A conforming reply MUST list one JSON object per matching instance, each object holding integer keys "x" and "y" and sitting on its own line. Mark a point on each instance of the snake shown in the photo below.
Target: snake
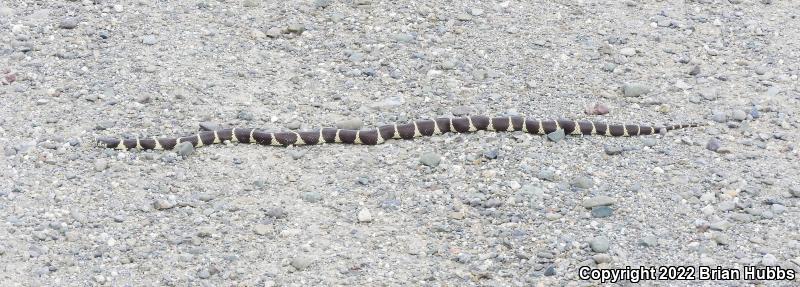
{"x": 379, "y": 135}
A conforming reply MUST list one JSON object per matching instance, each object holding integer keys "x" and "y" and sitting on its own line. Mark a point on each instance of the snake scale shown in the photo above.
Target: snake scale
{"x": 394, "y": 131}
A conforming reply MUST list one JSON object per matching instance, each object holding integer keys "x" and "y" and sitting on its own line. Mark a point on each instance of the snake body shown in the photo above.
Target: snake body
{"x": 394, "y": 131}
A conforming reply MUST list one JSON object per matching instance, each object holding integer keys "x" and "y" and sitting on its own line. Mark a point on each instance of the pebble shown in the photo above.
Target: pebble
{"x": 694, "y": 71}
{"x": 461, "y": 111}
{"x": 100, "y": 165}
{"x": 312, "y": 196}
{"x": 547, "y": 174}
{"x": 293, "y": 125}
{"x": 203, "y": 273}
{"x": 769, "y": 260}
{"x": 599, "y": 200}
{"x": 635, "y": 90}
{"x": 599, "y": 244}
{"x": 713, "y": 144}
{"x": 550, "y": 271}
{"x": 322, "y": 3}
{"x": 184, "y": 149}
{"x": 648, "y": 241}
{"x": 302, "y": 262}
{"x": 430, "y": 159}
{"x": 739, "y": 115}
{"x": 68, "y": 23}
{"x": 364, "y": 215}
{"x": 104, "y": 125}
{"x": 613, "y": 150}
{"x": 244, "y": 115}
{"x": 627, "y": 51}
{"x": 276, "y": 212}
{"x": 601, "y": 211}
{"x": 721, "y": 239}
{"x": 557, "y": 135}
{"x": 720, "y": 225}
{"x": 649, "y": 142}
{"x": 726, "y": 205}
{"x": 795, "y": 190}
{"x": 273, "y": 32}
{"x": 601, "y": 258}
{"x": 490, "y": 154}
{"x": 350, "y": 124}
{"x": 582, "y": 182}
{"x": 162, "y": 204}
{"x": 719, "y": 117}
{"x": 149, "y": 39}
{"x": 209, "y": 126}
{"x": 296, "y": 28}
{"x": 262, "y": 229}
{"x": 709, "y": 94}
{"x": 596, "y": 109}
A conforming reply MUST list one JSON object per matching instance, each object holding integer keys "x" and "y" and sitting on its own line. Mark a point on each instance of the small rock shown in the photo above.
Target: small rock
{"x": 635, "y": 90}
{"x": 262, "y": 229}
{"x": 149, "y": 39}
{"x": 184, "y": 149}
{"x": 713, "y": 144}
{"x": 351, "y": 124}
{"x": 162, "y": 204}
{"x": 557, "y": 135}
{"x": 209, "y": 126}
{"x": 430, "y": 159}
{"x": 244, "y": 115}
{"x": 100, "y": 165}
{"x": 322, "y": 3}
{"x": 601, "y": 211}
{"x": 721, "y": 239}
{"x": 276, "y": 212}
{"x": 490, "y": 154}
{"x": 694, "y": 71}
{"x": 795, "y": 190}
{"x": 547, "y": 174}
{"x": 302, "y": 262}
{"x": 719, "y": 117}
{"x": 596, "y": 109}
{"x": 273, "y": 32}
{"x": 601, "y": 258}
{"x": 649, "y": 142}
{"x": 627, "y": 51}
{"x": 203, "y": 273}
{"x": 648, "y": 241}
{"x": 68, "y": 23}
{"x": 739, "y": 115}
{"x": 296, "y": 28}
{"x": 550, "y": 271}
{"x": 613, "y": 150}
{"x": 769, "y": 260}
{"x": 312, "y": 196}
{"x": 599, "y": 244}
{"x": 727, "y": 205}
{"x": 293, "y": 125}
{"x": 709, "y": 94}
{"x": 599, "y": 200}
{"x": 461, "y": 111}
{"x": 104, "y": 125}
{"x": 582, "y": 182}
{"x": 364, "y": 215}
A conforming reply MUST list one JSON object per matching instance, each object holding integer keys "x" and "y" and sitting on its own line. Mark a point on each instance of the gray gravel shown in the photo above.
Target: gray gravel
{"x": 483, "y": 209}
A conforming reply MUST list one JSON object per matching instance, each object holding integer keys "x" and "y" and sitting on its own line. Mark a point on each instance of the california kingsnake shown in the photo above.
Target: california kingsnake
{"x": 380, "y": 134}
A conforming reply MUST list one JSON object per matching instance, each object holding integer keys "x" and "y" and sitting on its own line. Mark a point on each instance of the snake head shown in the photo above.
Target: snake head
{"x": 107, "y": 142}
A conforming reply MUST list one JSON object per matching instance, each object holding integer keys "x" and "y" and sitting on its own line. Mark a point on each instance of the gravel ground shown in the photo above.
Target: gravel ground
{"x": 494, "y": 209}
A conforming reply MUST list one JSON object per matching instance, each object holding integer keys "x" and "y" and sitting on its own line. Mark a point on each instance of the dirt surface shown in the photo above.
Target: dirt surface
{"x": 490, "y": 209}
